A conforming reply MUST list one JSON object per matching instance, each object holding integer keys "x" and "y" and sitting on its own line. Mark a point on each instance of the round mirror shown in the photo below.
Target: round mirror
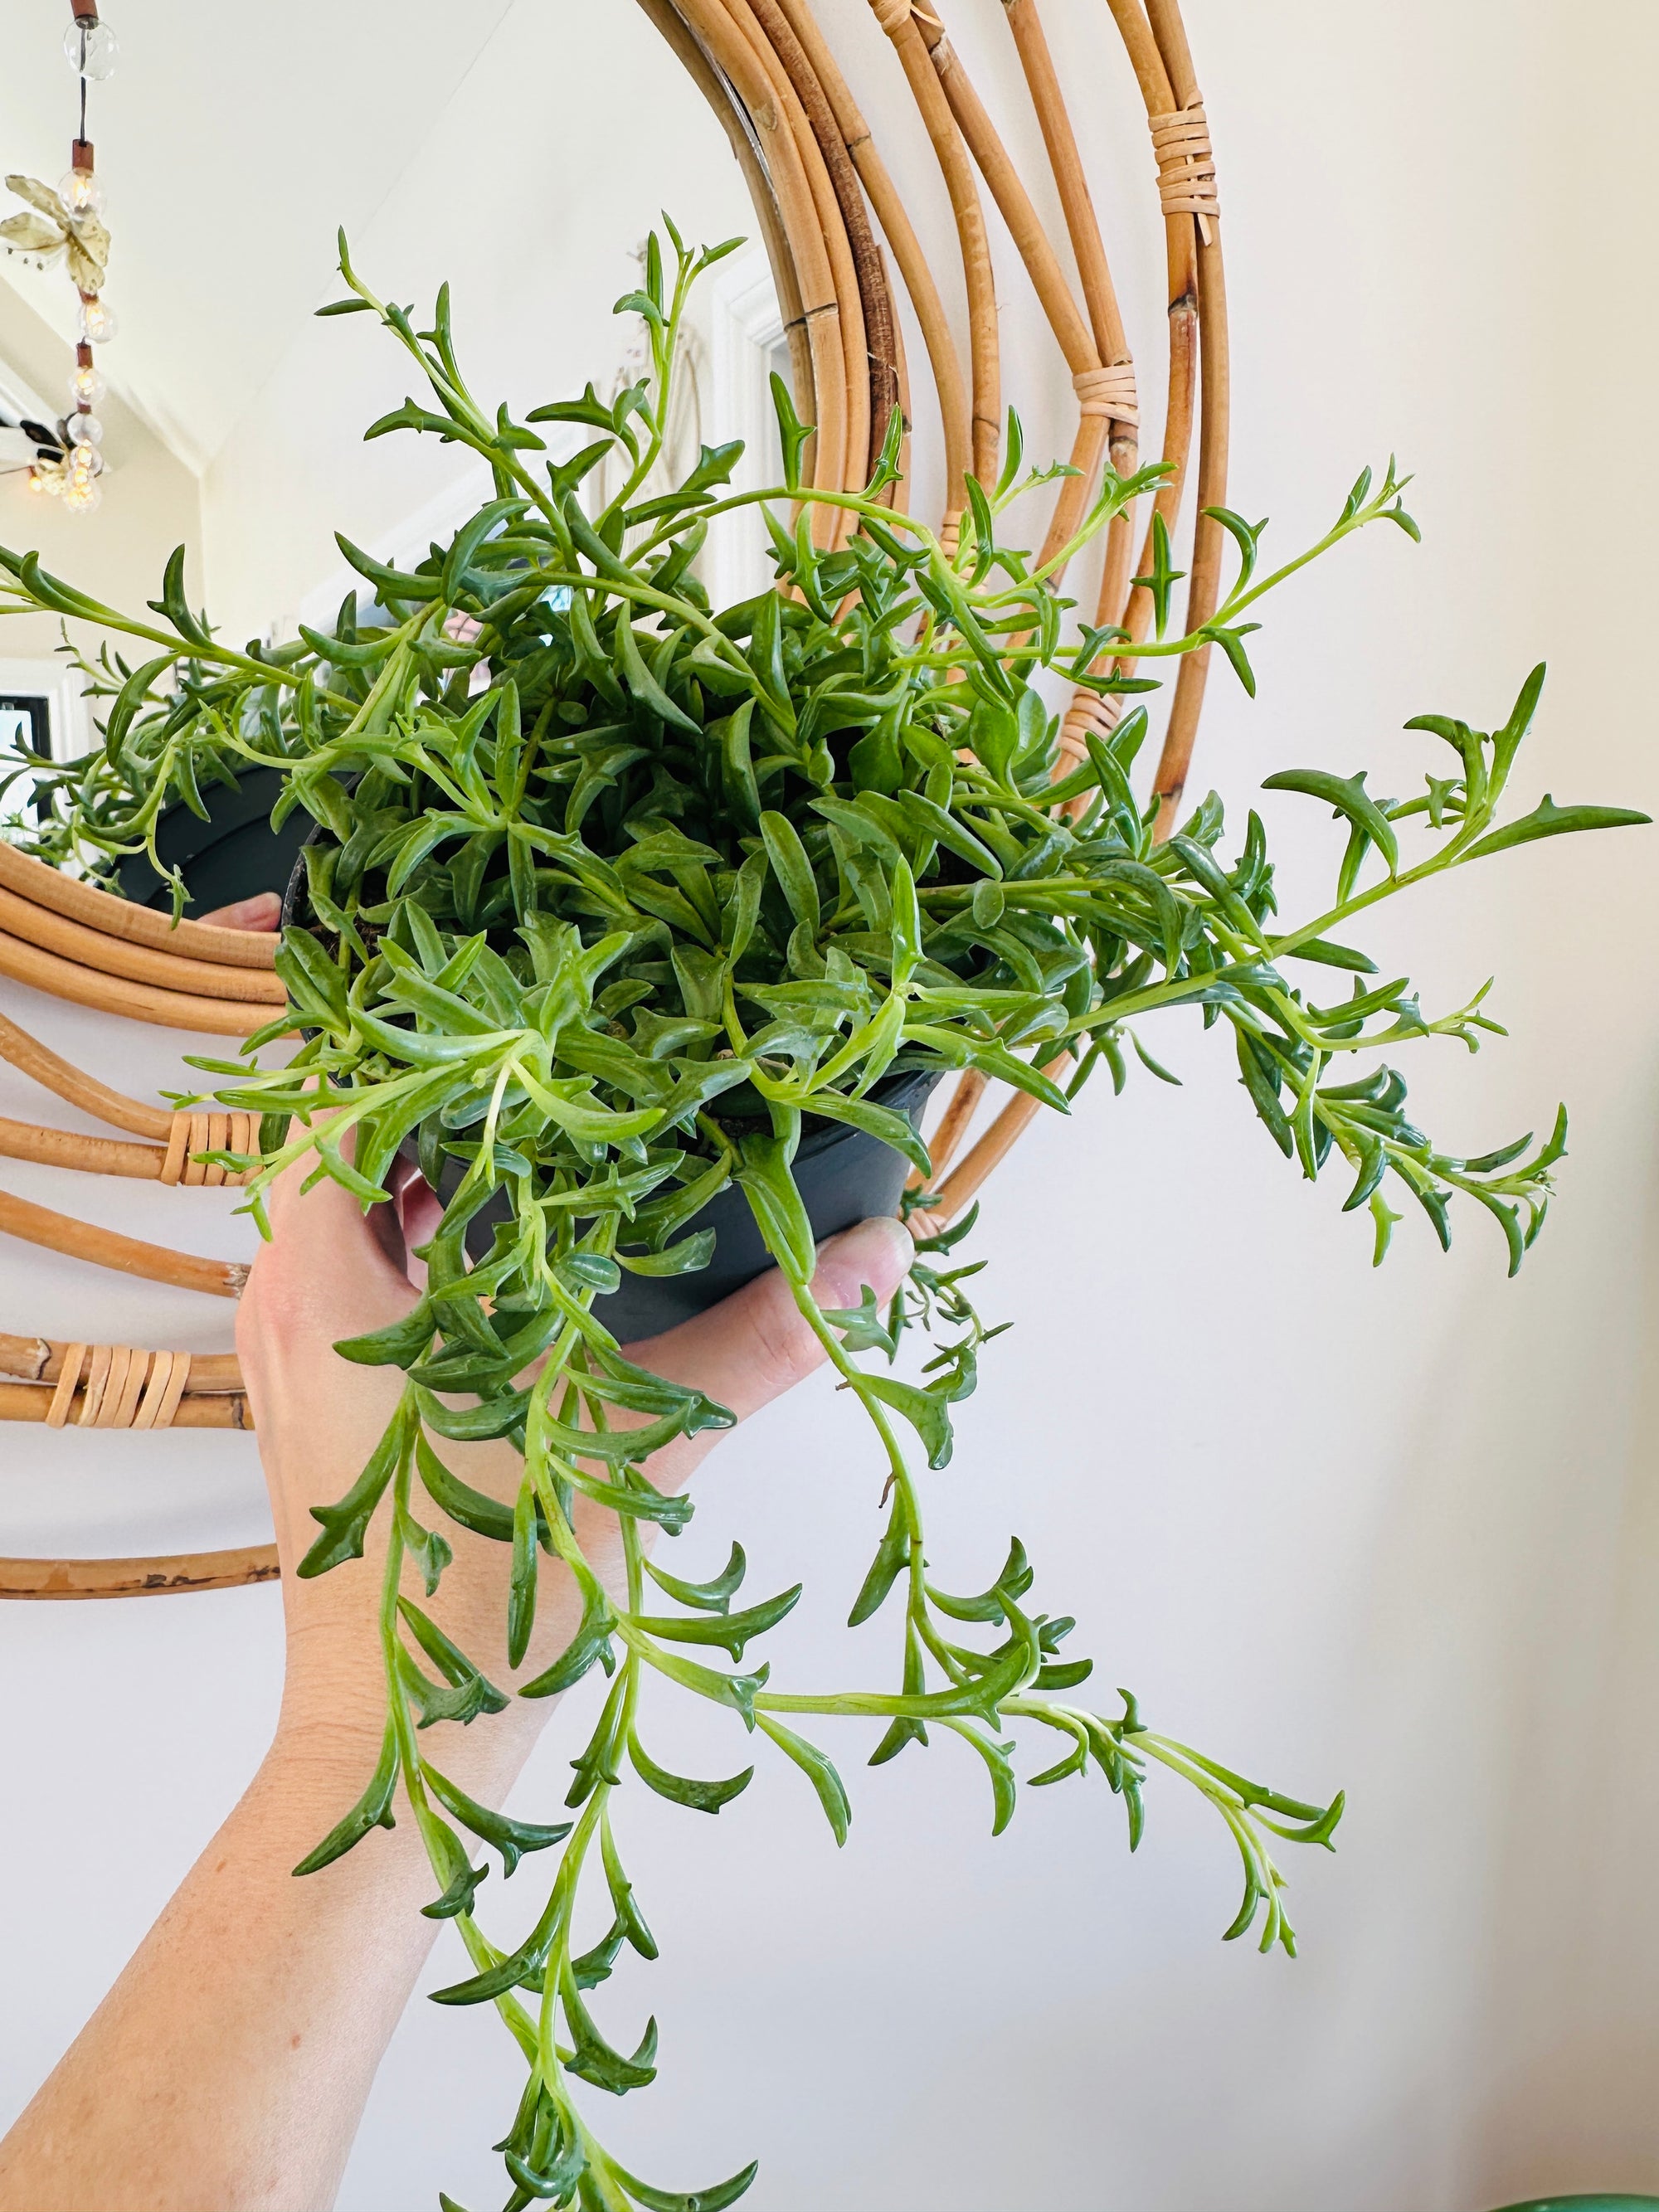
{"x": 456, "y": 152}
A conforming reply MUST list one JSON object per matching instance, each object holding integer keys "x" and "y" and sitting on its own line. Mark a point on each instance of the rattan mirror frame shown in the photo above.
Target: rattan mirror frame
{"x": 839, "y": 241}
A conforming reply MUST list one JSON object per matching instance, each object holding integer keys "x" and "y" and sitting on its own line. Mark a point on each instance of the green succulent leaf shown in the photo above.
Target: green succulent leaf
{"x": 698, "y": 1796}
{"x": 818, "y": 1770}
{"x": 372, "y": 1810}
{"x": 1549, "y": 820}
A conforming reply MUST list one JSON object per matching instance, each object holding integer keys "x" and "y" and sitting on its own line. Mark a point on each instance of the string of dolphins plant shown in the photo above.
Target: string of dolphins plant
{"x": 610, "y": 899}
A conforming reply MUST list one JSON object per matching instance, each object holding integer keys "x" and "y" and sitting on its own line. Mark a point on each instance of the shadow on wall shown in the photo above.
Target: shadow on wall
{"x": 1575, "y": 1916}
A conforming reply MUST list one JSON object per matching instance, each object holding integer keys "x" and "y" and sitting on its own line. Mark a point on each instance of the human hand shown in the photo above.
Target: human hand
{"x": 230, "y": 2063}
{"x": 330, "y": 1272}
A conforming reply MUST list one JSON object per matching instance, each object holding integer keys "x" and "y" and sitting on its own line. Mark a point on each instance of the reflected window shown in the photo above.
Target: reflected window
{"x": 25, "y": 727}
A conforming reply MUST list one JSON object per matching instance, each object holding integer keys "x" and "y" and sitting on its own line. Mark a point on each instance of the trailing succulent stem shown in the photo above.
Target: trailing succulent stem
{"x": 613, "y": 895}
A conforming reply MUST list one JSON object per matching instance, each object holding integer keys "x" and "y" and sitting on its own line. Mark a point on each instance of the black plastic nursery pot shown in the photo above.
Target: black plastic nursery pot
{"x": 844, "y": 1175}
{"x": 233, "y": 854}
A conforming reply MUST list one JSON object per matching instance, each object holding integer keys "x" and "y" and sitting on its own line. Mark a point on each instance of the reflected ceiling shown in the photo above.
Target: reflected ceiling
{"x": 233, "y": 140}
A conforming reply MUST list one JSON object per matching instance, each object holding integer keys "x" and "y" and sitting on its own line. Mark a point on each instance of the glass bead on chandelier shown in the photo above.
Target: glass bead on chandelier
{"x": 72, "y": 473}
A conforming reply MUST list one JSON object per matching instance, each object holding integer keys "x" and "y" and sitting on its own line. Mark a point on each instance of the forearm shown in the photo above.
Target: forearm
{"x": 228, "y": 2069}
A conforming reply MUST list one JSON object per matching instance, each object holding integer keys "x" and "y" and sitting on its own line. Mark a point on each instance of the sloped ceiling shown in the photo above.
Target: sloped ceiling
{"x": 232, "y": 140}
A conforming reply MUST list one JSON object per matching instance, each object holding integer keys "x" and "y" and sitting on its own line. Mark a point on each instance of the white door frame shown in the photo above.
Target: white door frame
{"x": 745, "y": 326}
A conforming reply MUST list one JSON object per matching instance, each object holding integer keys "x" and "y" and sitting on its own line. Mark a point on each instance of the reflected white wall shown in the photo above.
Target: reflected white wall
{"x": 530, "y": 192}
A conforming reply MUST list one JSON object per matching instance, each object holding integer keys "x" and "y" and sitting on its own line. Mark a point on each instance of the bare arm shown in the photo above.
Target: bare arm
{"x": 229, "y": 2067}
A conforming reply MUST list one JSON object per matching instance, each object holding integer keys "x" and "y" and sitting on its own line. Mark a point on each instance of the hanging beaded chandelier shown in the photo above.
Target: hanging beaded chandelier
{"x": 68, "y": 225}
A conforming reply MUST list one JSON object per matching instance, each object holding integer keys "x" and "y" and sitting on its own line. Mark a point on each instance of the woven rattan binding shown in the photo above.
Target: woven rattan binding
{"x": 85, "y": 1386}
{"x": 1186, "y": 166}
{"x": 834, "y": 226}
{"x": 193, "y": 1134}
{"x": 123, "y": 1388}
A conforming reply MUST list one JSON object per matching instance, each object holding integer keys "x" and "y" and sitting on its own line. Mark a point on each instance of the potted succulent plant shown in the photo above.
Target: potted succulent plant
{"x": 641, "y": 922}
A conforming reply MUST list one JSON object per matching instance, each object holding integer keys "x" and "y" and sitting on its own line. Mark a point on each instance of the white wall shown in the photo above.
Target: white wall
{"x": 1393, "y": 1530}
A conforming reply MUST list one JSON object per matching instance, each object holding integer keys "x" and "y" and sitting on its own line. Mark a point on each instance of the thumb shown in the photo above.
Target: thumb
{"x": 757, "y": 1344}
{"x": 262, "y": 913}
{"x": 328, "y": 1270}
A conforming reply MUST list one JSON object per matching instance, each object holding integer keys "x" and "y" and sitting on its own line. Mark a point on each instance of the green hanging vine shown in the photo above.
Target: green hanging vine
{"x": 610, "y": 899}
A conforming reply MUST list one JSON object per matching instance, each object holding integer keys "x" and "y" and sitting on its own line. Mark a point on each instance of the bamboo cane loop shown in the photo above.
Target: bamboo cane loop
{"x": 1073, "y": 334}
{"x": 1123, "y": 603}
{"x": 166, "y": 1575}
{"x": 732, "y": 52}
{"x": 850, "y": 474}
{"x": 1157, "y": 46}
{"x": 76, "y": 1088}
{"x": 752, "y": 132}
{"x": 959, "y": 1188}
{"x": 1158, "y": 50}
{"x": 1107, "y": 391}
{"x": 1060, "y": 140}
{"x": 113, "y": 994}
{"x": 880, "y": 329}
{"x": 1169, "y": 35}
{"x": 116, "y": 918}
{"x": 59, "y": 1148}
{"x": 738, "y": 126}
{"x": 127, "y": 1255}
{"x": 896, "y": 18}
{"x": 1210, "y": 541}
{"x": 1151, "y": 73}
{"x": 897, "y": 495}
{"x": 906, "y": 247}
{"x": 1110, "y": 342}
{"x": 1175, "y": 52}
{"x": 113, "y": 956}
